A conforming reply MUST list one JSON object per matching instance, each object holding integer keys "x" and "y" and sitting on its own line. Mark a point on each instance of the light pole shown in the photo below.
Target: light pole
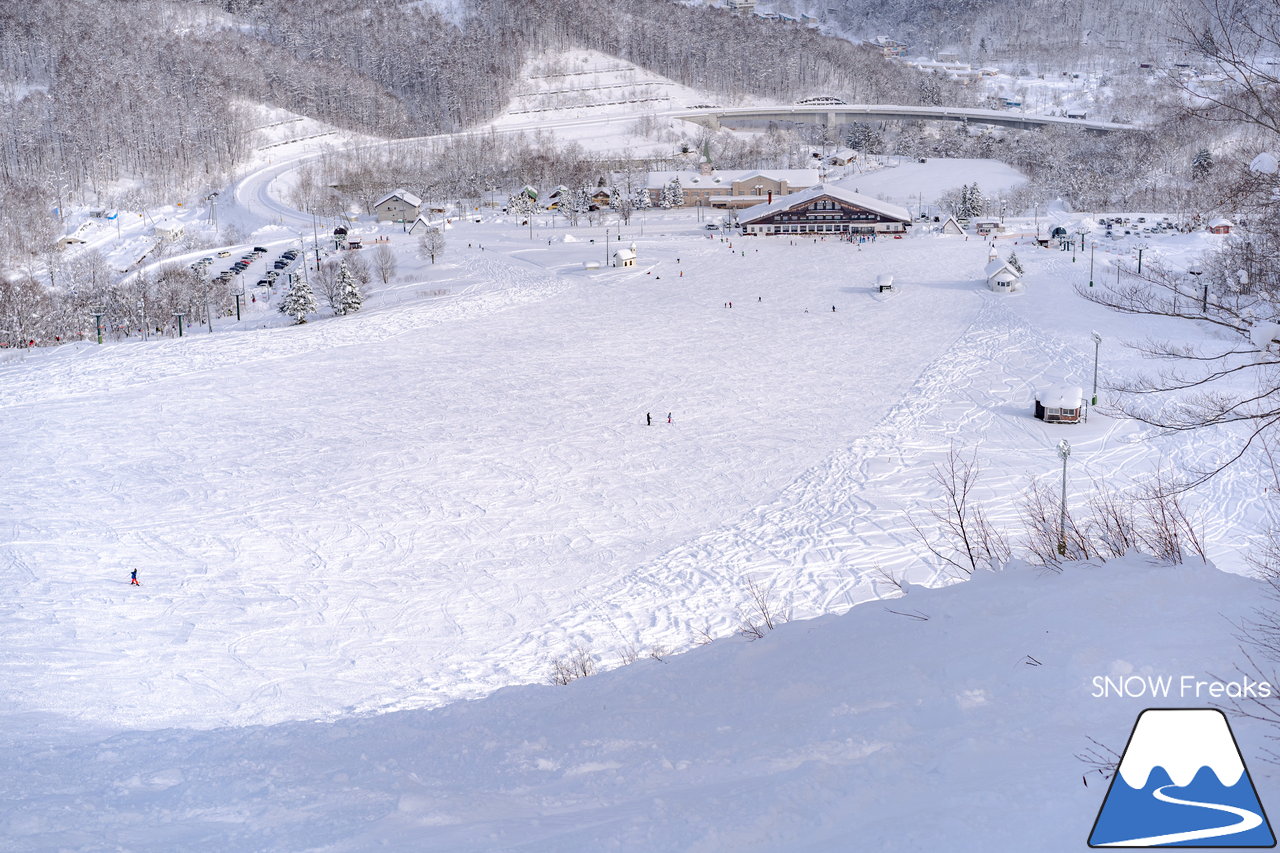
{"x": 1064, "y": 450}
{"x": 238, "y": 294}
{"x": 1140, "y": 248}
{"x": 179, "y": 315}
{"x": 98, "y": 314}
{"x": 1204, "y": 300}
{"x": 1097, "y": 344}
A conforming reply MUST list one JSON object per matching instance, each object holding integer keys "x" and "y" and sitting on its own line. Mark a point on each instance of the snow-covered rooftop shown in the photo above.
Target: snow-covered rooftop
{"x": 402, "y": 194}
{"x": 997, "y": 266}
{"x": 1061, "y": 397}
{"x": 866, "y": 202}
{"x": 793, "y": 177}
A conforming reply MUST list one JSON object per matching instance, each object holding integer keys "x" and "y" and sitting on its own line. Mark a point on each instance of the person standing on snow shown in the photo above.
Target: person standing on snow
{"x": 648, "y": 418}
{"x": 133, "y": 578}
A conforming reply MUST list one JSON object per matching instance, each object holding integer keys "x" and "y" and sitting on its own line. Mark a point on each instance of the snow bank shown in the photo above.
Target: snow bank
{"x": 944, "y": 720}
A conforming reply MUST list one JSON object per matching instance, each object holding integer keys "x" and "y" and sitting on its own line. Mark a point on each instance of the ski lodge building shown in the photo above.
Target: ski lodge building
{"x": 730, "y": 188}
{"x": 399, "y": 206}
{"x": 826, "y": 210}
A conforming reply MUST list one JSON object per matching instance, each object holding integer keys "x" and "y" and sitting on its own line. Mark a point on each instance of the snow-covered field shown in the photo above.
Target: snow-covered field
{"x": 432, "y": 499}
{"x": 947, "y": 720}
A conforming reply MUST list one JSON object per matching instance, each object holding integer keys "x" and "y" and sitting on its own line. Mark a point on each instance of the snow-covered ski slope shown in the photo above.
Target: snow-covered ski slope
{"x": 431, "y": 500}
{"x": 946, "y": 720}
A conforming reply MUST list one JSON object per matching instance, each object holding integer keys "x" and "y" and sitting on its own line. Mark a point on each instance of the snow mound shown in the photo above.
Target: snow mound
{"x": 1265, "y": 163}
{"x": 569, "y": 238}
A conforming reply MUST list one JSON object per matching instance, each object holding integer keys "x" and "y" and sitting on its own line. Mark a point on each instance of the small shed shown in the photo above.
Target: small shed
{"x": 169, "y": 230}
{"x": 1078, "y": 114}
{"x": 339, "y": 237}
{"x": 987, "y": 226}
{"x": 1001, "y": 277}
{"x": 951, "y": 226}
{"x": 624, "y": 258}
{"x": 842, "y": 157}
{"x": 1220, "y": 225}
{"x": 355, "y": 243}
{"x": 1058, "y": 233}
{"x": 1060, "y": 404}
{"x": 884, "y": 283}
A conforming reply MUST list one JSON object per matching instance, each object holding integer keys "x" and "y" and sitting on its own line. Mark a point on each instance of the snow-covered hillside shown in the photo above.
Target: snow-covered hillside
{"x": 945, "y": 720}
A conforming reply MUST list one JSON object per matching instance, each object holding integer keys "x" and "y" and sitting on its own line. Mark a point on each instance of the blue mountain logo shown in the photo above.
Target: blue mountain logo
{"x": 1182, "y": 783}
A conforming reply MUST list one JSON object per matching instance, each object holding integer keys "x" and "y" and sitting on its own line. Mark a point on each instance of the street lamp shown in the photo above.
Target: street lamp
{"x": 1064, "y": 450}
{"x": 1097, "y": 344}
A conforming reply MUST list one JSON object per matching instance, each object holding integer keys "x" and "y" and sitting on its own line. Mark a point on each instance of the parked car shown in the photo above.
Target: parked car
{"x": 711, "y": 226}
{"x": 262, "y": 282}
{"x": 224, "y": 254}
{"x": 260, "y": 250}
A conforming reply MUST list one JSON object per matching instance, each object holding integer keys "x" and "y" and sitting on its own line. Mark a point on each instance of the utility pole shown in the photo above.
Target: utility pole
{"x": 1097, "y": 343}
{"x": 98, "y": 314}
{"x": 1064, "y": 450}
{"x": 315, "y": 236}
{"x": 1092, "y": 246}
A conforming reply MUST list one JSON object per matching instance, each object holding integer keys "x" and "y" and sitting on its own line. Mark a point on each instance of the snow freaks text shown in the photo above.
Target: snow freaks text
{"x": 1178, "y": 687}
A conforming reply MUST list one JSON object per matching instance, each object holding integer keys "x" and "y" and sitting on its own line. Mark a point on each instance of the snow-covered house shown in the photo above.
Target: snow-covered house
{"x": 987, "y": 226}
{"x": 1001, "y": 277}
{"x": 951, "y": 226}
{"x": 398, "y": 206}
{"x": 842, "y": 157}
{"x": 169, "y": 230}
{"x": 1060, "y": 404}
{"x": 625, "y": 257}
{"x": 1080, "y": 114}
{"x": 824, "y": 209}
{"x": 1220, "y": 225}
{"x": 601, "y": 198}
{"x": 556, "y": 197}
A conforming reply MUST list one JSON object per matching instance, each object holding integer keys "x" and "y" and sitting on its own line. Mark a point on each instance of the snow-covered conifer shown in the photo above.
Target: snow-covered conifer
{"x": 299, "y": 301}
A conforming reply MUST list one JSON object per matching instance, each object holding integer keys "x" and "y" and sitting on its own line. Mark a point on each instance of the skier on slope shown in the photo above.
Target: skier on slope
{"x": 133, "y": 578}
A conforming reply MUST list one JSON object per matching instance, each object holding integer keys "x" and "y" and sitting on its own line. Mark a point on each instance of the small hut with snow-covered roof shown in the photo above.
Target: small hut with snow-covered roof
{"x": 952, "y": 227}
{"x": 1001, "y": 277}
{"x": 1220, "y": 225}
{"x": 625, "y": 257}
{"x": 1060, "y": 404}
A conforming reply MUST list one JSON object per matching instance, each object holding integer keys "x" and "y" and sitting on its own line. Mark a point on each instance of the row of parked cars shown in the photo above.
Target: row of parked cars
{"x": 281, "y": 265}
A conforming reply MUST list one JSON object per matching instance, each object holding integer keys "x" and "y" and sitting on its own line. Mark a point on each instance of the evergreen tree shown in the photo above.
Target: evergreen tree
{"x": 299, "y": 301}
{"x": 1015, "y": 263}
{"x": 1201, "y": 165}
{"x": 349, "y": 296}
{"x": 640, "y": 200}
{"x": 672, "y": 195}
